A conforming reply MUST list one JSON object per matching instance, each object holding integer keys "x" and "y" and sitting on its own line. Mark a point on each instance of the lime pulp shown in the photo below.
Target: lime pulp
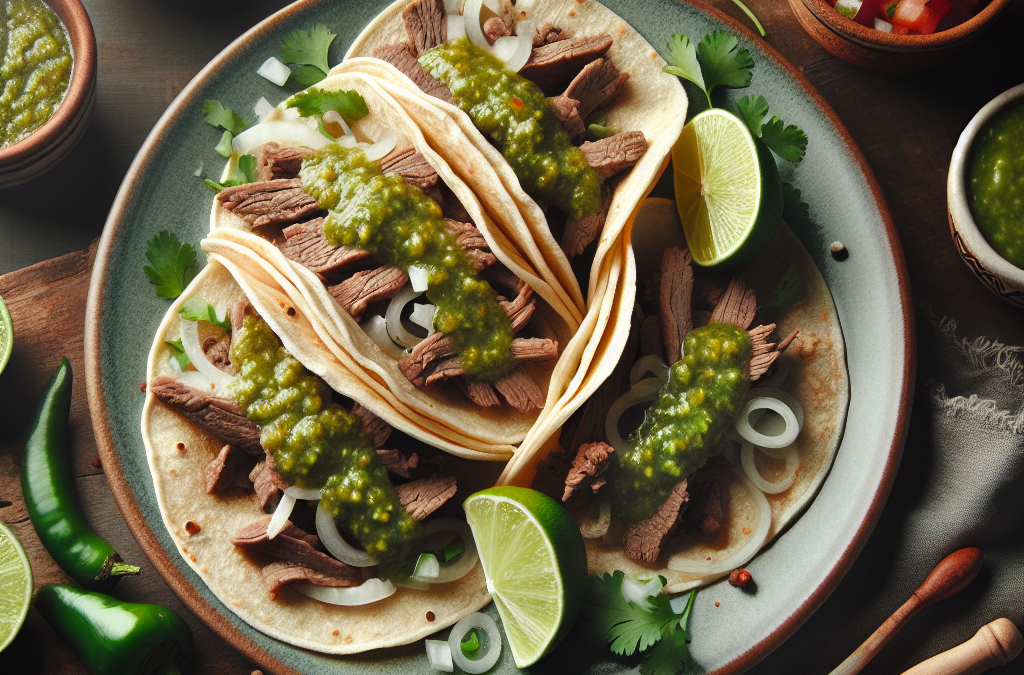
{"x": 6, "y": 335}
{"x": 15, "y": 586}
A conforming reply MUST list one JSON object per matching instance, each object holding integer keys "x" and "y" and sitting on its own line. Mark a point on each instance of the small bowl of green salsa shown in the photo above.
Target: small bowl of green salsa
{"x": 985, "y": 195}
{"x": 48, "y": 74}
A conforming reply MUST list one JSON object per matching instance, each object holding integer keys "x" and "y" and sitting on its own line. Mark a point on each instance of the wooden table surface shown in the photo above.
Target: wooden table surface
{"x": 149, "y": 49}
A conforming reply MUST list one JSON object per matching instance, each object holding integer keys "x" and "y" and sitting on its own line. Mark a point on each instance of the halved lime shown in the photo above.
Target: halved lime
{"x": 15, "y": 586}
{"x": 728, "y": 190}
{"x": 6, "y": 335}
{"x": 535, "y": 563}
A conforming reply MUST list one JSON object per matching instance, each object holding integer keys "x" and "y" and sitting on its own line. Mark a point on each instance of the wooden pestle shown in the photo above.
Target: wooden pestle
{"x": 948, "y": 578}
{"x": 993, "y": 645}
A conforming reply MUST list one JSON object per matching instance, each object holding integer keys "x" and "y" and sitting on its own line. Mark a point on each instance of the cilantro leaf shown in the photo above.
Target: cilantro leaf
{"x": 173, "y": 264}
{"x": 794, "y": 209}
{"x": 178, "y": 353}
{"x": 224, "y": 148}
{"x": 306, "y": 76}
{"x": 198, "y": 310}
{"x": 317, "y": 101}
{"x": 310, "y": 48}
{"x": 627, "y": 626}
{"x": 245, "y": 170}
{"x": 668, "y": 656}
{"x": 723, "y": 62}
{"x": 788, "y": 142}
{"x": 682, "y": 59}
{"x": 217, "y": 115}
{"x": 752, "y": 109}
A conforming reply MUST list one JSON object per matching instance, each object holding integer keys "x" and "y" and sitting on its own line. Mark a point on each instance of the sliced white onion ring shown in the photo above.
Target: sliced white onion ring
{"x": 190, "y": 342}
{"x": 423, "y": 315}
{"x": 792, "y": 458}
{"x": 196, "y": 380}
{"x": 385, "y": 143}
{"x": 638, "y": 590}
{"x": 786, "y": 398}
{"x": 595, "y": 529}
{"x": 748, "y": 433}
{"x": 418, "y": 277}
{"x": 275, "y": 70}
{"x": 754, "y": 541}
{"x": 281, "y": 515}
{"x": 413, "y": 585}
{"x": 438, "y": 533}
{"x": 302, "y": 493}
{"x": 427, "y": 568}
{"x": 376, "y": 329}
{"x": 643, "y": 391}
{"x": 494, "y": 6}
{"x": 653, "y": 364}
{"x": 514, "y": 50}
{"x": 347, "y": 141}
{"x": 332, "y": 540}
{"x": 263, "y": 109}
{"x": 334, "y": 117}
{"x": 488, "y": 653}
{"x": 439, "y": 654}
{"x": 456, "y": 26}
{"x": 474, "y": 31}
{"x": 368, "y": 592}
{"x": 393, "y": 318}
{"x": 281, "y": 131}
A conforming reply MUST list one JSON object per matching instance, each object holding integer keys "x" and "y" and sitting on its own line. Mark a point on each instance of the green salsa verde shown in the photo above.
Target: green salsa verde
{"x": 515, "y": 113}
{"x": 996, "y": 180}
{"x": 35, "y": 67}
{"x": 403, "y": 227}
{"x": 317, "y": 444}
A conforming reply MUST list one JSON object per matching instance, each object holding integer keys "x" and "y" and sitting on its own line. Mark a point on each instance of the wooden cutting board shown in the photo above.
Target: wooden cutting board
{"x": 47, "y": 305}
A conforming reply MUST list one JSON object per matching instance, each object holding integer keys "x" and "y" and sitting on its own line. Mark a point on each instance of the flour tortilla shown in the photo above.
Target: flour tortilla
{"x": 232, "y": 576}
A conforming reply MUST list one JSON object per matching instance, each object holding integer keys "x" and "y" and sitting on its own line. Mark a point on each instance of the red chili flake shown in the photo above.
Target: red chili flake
{"x": 709, "y": 558}
{"x": 516, "y": 103}
{"x": 180, "y": 447}
{"x": 334, "y": 632}
{"x": 291, "y": 311}
{"x": 95, "y": 463}
{"x": 143, "y": 387}
{"x": 718, "y": 604}
{"x": 192, "y": 527}
{"x": 740, "y": 578}
{"x": 430, "y": 616}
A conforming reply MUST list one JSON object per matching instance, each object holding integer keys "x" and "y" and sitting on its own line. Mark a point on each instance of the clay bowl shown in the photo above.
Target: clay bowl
{"x": 50, "y": 143}
{"x": 874, "y": 50}
{"x": 999, "y": 275}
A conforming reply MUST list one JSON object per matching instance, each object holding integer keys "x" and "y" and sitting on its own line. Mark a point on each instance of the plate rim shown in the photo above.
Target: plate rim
{"x": 220, "y": 623}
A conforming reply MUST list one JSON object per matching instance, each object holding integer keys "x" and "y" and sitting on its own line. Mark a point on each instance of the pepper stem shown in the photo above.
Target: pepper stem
{"x": 120, "y": 569}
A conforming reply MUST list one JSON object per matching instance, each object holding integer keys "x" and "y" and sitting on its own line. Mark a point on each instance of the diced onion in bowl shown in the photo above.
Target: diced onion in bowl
{"x": 490, "y": 643}
{"x": 418, "y": 277}
{"x": 643, "y": 391}
{"x": 439, "y": 654}
{"x": 281, "y": 515}
{"x": 281, "y": 131}
{"x": 652, "y": 364}
{"x": 456, "y": 26}
{"x": 263, "y": 109}
{"x": 792, "y": 458}
{"x": 438, "y": 533}
{"x": 376, "y": 329}
{"x": 190, "y": 342}
{"x": 302, "y": 493}
{"x": 393, "y": 318}
{"x": 369, "y": 591}
{"x": 385, "y": 143}
{"x": 275, "y": 70}
{"x": 766, "y": 402}
{"x": 332, "y": 540}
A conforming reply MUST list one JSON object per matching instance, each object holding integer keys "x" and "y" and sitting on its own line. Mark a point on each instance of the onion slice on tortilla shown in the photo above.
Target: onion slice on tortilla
{"x": 281, "y": 515}
{"x": 438, "y": 533}
{"x": 368, "y": 592}
{"x": 384, "y": 144}
{"x": 489, "y": 650}
{"x": 336, "y": 545}
{"x": 761, "y": 401}
{"x": 190, "y": 342}
{"x": 302, "y": 493}
{"x": 427, "y": 568}
{"x": 638, "y": 590}
{"x": 653, "y": 364}
{"x": 280, "y": 131}
{"x": 792, "y": 458}
{"x": 393, "y": 318}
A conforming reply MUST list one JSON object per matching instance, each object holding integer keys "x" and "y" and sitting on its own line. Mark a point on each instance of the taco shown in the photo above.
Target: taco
{"x": 270, "y": 420}
{"x": 479, "y": 362}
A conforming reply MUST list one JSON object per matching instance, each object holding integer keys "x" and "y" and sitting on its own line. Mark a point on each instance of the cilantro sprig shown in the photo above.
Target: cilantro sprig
{"x": 173, "y": 264}
{"x": 216, "y": 115}
{"x": 308, "y": 51}
{"x": 197, "y": 309}
{"x": 716, "y": 61}
{"x": 243, "y": 171}
{"x": 316, "y": 101}
{"x": 788, "y": 142}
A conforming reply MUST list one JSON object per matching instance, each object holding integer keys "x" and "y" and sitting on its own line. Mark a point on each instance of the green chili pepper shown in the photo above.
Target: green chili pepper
{"x": 50, "y": 494}
{"x": 114, "y": 637}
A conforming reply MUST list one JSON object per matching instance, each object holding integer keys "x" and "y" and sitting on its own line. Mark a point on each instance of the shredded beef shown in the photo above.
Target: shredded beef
{"x": 611, "y": 155}
{"x": 674, "y": 300}
{"x": 502, "y": 279}
{"x": 266, "y": 481}
{"x": 520, "y": 390}
{"x": 433, "y": 349}
{"x": 738, "y": 306}
{"x": 425, "y": 24}
{"x": 567, "y": 110}
{"x": 361, "y": 289}
{"x": 642, "y": 541}
{"x": 520, "y": 310}
{"x": 410, "y": 165}
{"x": 547, "y": 34}
{"x": 270, "y": 202}
{"x": 306, "y": 244}
{"x": 445, "y": 370}
{"x": 766, "y": 353}
{"x": 294, "y": 546}
{"x": 397, "y": 463}
{"x": 221, "y": 417}
{"x": 579, "y": 234}
{"x": 554, "y": 64}
{"x": 597, "y": 83}
{"x": 277, "y": 574}
{"x": 494, "y": 28}
{"x": 650, "y": 338}
{"x": 218, "y": 351}
{"x": 709, "y": 506}
{"x": 377, "y": 429}
{"x": 472, "y": 242}
{"x": 426, "y": 495}
{"x": 275, "y": 161}
{"x": 238, "y": 314}
{"x": 229, "y": 469}
{"x": 534, "y": 349}
{"x": 401, "y": 57}
{"x": 480, "y": 393}
{"x": 590, "y": 462}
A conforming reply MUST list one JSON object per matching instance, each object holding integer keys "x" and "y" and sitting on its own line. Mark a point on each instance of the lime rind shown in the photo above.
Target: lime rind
{"x": 15, "y": 586}
{"x": 6, "y": 335}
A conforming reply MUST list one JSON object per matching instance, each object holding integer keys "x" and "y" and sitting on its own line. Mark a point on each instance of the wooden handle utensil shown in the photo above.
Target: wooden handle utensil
{"x": 948, "y": 578}
{"x": 996, "y": 644}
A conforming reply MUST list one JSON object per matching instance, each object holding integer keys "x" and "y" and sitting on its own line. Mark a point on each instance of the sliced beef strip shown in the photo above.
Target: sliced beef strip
{"x": 766, "y": 353}
{"x": 410, "y": 165}
{"x": 596, "y": 84}
{"x": 534, "y": 349}
{"x": 277, "y": 574}
{"x": 229, "y": 469}
{"x": 553, "y": 65}
{"x": 590, "y": 462}
{"x": 220, "y": 417}
{"x": 674, "y": 300}
{"x": 611, "y": 155}
{"x": 738, "y": 306}
{"x": 480, "y": 393}
{"x": 218, "y": 351}
{"x": 472, "y": 242}
{"x": 361, "y": 289}
{"x": 275, "y": 161}
{"x": 445, "y": 370}
{"x": 426, "y": 495}
{"x": 238, "y": 314}
{"x": 397, "y": 463}
{"x": 520, "y": 390}
{"x": 521, "y": 308}
{"x": 494, "y": 28}
{"x": 255, "y": 533}
{"x": 579, "y": 234}
{"x": 642, "y": 541}
{"x": 266, "y": 481}
{"x": 377, "y": 429}
{"x": 502, "y": 279}
{"x": 294, "y": 546}
{"x": 567, "y": 110}
{"x": 709, "y": 506}
{"x": 547, "y": 34}
{"x": 433, "y": 349}
{"x": 425, "y": 24}
{"x": 306, "y": 244}
{"x": 270, "y": 202}
{"x": 401, "y": 57}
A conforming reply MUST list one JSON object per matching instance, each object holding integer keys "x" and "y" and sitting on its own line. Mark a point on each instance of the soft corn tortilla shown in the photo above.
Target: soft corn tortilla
{"x": 232, "y": 575}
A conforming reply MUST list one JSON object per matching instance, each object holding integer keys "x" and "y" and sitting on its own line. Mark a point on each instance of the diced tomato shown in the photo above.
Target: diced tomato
{"x": 941, "y": 7}
{"x": 899, "y": 30}
{"x": 886, "y": 8}
{"x": 867, "y": 13}
{"x": 915, "y": 17}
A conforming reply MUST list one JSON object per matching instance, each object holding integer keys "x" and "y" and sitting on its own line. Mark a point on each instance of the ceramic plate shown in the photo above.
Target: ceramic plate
{"x": 795, "y": 574}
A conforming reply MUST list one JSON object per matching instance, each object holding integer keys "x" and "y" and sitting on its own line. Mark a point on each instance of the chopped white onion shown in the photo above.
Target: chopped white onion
{"x": 263, "y": 109}
{"x": 199, "y": 170}
{"x": 652, "y": 364}
{"x": 275, "y": 70}
{"x": 393, "y": 318}
{"x": 302, "y": 493}
{"x": 190, "y": 341}
{"x": 456, "y": 27}
{"x": 313, "y": 124}
{"x": 386, "y": 142}
{"x": 754, "y": 541}
{"x": 792, "y": 458}
{"x": 347, "y": 141}
{"x": 490, "y": 649}
{"x": 418, "y": 277}
{"x": 332, "y": 540}
{"x": 643, "y": 391}
{"x": 438, "y": 533}
{"x": 595, "y": 529}
{"x": 423, "y": 315}
{"x": 281, "y": 515}
{"x": 439, "y": 654}
{"x": 281, "y": 131}
{"x": 761, "y": 402}
{"x": 291, "y": 114}
{"x": 173, "y": 363}
{"x": 368, "y": 592}
{"x": 427, "y": 568}
{"x": 678, "y": 603}
{"x": 637, "y": 591}
{"x": 453, "y": 6}
{"x": 883, "y": 25}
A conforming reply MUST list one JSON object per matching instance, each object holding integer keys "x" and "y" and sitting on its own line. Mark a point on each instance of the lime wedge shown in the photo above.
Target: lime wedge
{"x": 6, "y": 335}
{"x": 728, "y": 190}
{"x": 535, "y": 564}
{"x": 15, "y": 586}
